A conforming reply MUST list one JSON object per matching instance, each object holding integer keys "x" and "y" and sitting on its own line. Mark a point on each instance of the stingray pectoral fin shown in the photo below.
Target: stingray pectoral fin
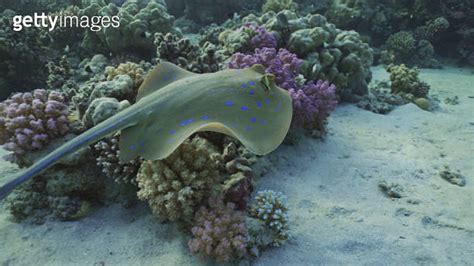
{"x": 160, "y": 76}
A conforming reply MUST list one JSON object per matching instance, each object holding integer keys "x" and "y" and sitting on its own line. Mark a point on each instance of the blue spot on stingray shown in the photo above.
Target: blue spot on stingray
{"x": 132, "y": 147}
{"x": 205, "y": 117}
{"x": 172, "y": 132}
{"x": 175, "y": 78}
{"x": 141, "y": 151}
{"x": 244, "y": 108}
{"x": 229, "y": 103}
{"x": 278, "y": 108}
{"x": 185, "y": 122}
{"x": 252, "y": 92}
{"x": 259, "y": 104}
{"x": 251, "y": 83}
{"x": 267, "y": 101}
{"x": 248, "y": 128}
{"x": 142, "y": 144}
{"x": 165, "y": 78}
{"x": 243, "y": 85}
{"x": 253, "y": 119}
{"x": 263, "y": 122}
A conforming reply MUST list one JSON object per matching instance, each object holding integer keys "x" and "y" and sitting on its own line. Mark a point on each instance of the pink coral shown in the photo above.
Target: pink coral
{"x": 28, "y": 121}
{"x": 220, "y": 232}
{"x": 283, "y": 64}
{"x": 261, "y": 38}
{"x": 312, "y": 104}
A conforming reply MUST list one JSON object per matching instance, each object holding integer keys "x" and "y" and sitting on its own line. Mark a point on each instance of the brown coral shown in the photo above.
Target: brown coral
{"x": 176, "y": 185}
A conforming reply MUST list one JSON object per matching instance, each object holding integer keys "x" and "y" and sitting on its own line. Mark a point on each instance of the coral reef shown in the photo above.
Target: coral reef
{"x": 279, "y": 5}
{"x": 380, "y": 100}
{"x": 219, "y": 232}
{"x": 20, "y": 64}
{"x": 283, "y": 64}
{"x": 133, "y": 70}
{"x": 175, "y": 186}
{"x": 180, "y": 51}
{"x": 403, "y": 47}
{"x": 312, "y": 101}
{"x": 405, "y": 80}
{"x": 108, "y": 154}
{"x": 64, "y": 191}
{"x": 59, "y": 73}
{"x": 427, "y": 21}
{"x": 312, "y": 104}
{"x": 29, "y": 121}
{"x": 102, "y": 108}
{"x": 138, "y": 22}
{"x": 246, "y": 39}
{"x": 271, "y": 209}
{"x": 62, "y": 37}
{"x": 338, "y": 56}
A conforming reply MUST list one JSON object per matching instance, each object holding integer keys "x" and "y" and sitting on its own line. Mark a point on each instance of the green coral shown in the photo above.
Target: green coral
{"x": 271, "y": 209}
{"x": 404, "y": 47}
{"x": 405, "y": 80}
{"x": 175, "y": 186}
{"x": 339, "y": 56}
{"x": 138, "y": 22}
{"x": 63, "y": 192}
{"x": 279, "y": 5}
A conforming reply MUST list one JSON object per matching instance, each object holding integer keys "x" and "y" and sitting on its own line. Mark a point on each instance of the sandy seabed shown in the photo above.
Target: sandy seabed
{"x": 339, "y": 215}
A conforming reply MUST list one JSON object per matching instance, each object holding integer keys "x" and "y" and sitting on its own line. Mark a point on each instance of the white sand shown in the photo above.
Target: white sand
{"x": 338, "y": 213}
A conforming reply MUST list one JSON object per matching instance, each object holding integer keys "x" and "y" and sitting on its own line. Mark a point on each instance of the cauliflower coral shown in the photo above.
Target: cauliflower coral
{"x": 175, "y": 186}
{"x": 28, "y": 121}
{"x": 220, "y": 232}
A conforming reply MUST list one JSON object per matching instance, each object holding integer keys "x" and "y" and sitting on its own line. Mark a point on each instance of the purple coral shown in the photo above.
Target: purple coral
{"x": 261, "y": 38}
{"x": 219, "y": 233}
{"x": 312, "y": 104}
{"x": 28, "y": 121}
{"x": 283, "y": 64}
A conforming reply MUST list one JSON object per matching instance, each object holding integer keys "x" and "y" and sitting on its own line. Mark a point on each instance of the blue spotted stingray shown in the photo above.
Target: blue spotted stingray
{"x": 173, "y": 103}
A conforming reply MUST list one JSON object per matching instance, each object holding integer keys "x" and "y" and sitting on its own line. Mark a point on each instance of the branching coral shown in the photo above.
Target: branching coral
{"x": 108, "y": 160}
{"x": 180, "y": 51}
{"x": 313, "y": 103}
{"x": 174, "y": 186}
{"x": 271, "y": 209}
{"x": 219, "y": 232}
{"x": 31, "y": 120}
{"x": 283, "y": 64}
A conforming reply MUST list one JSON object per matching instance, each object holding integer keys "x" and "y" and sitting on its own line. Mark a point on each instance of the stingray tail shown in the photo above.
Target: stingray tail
{"x": 92, "y": 135}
